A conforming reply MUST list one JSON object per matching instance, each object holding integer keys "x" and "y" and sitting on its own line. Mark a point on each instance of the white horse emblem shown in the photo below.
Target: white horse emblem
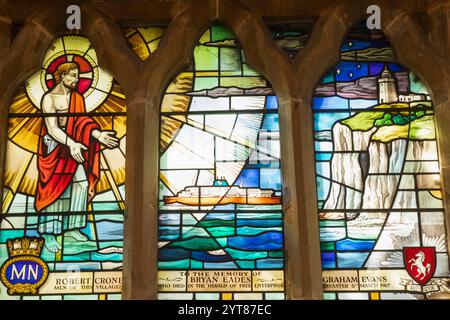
{"x": 417, "y": 262}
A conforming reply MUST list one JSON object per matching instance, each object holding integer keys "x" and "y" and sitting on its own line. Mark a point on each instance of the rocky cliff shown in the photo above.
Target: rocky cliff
{"x": 369, "y": 160}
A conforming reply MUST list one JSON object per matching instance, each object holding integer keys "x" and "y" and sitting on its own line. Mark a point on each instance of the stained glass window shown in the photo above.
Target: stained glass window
{"x": 379, "y": 189}
{"x": 220, "y": 212}
{"x": 143, "y": 41}
{"x": 292, "y": 37}
{"x": 63, "y": 198}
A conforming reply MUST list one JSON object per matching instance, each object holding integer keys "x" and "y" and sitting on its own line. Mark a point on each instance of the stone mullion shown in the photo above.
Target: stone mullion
{"x": 320, "y": 54}
{"x": 140, "y": 234}
{"x": 303, "y": 270}
{"x": 302, "y": 251}
{"x": 142, "y": 182}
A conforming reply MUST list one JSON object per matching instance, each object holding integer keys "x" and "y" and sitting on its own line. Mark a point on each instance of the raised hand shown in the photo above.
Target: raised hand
{"x": 109, "y": 139}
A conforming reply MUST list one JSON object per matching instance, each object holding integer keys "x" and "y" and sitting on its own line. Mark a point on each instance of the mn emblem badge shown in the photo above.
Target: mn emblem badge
{"x": 24, "y": 272}
{"x": 420, "y": 263}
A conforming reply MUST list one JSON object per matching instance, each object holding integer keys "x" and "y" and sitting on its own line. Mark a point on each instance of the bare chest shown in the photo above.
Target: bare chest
{"x": 61, "y": 105}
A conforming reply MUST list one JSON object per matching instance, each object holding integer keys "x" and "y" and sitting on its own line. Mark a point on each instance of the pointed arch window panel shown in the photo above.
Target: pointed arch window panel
{"x": 378, "y": 179}
{"x": 220, "y": 205}
{"x": 61, "y": 231}
{"x": 144, "y": 41}
{"x": 292, "y": 37}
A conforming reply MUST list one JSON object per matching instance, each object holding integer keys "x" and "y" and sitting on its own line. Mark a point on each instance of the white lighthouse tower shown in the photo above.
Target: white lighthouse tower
{"x": 387, "y": 93}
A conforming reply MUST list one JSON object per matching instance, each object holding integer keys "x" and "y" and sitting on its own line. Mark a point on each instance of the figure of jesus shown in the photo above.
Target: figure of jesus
{"x": 68, "y": 160}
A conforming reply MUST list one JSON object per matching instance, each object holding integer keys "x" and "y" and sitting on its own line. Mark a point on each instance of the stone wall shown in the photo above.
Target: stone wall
{"x": 418, "y": 30}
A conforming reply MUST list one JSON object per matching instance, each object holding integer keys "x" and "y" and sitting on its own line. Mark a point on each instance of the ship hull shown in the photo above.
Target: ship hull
{"x": 211, "y": 201}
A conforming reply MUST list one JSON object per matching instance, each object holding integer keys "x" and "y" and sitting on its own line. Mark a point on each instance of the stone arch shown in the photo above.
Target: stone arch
{"x": 141, "y": 244}
{"x": 160, "y": 74}
{"x": 302, "y": 280}
{"x": 28, "y": 48}
{"x": 111, "y": 47}
{"x": 262, "y": 54}
{"x": 308, "y": 66}
{"x": 322, "y": 50}
{"x": 27, "y": 42}
{"x": 412, "y": 45}
{"x": 294, "y": 84}
{"x": 339, "y": 19}
{"x": 166, "y": 167}
{"x": 347, "y": 139}
{"x": 5, "y": 34}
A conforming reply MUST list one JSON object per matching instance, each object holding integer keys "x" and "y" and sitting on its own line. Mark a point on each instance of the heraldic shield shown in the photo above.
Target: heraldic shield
{"x": 420, "y": 262}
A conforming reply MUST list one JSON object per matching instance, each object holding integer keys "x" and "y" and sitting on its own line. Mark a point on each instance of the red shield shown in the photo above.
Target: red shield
{"x": 420, "y": 262}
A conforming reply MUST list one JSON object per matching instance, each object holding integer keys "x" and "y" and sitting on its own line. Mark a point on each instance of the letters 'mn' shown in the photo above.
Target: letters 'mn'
{"x": 22, "y": 274}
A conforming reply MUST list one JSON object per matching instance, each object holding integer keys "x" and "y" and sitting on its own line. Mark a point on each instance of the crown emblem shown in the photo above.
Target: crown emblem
{"x": 27, "y": 246}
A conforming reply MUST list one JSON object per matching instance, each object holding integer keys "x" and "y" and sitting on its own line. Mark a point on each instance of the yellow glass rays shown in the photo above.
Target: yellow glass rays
{"x": 143, "y": 41}
{"x": 105, "y": 97}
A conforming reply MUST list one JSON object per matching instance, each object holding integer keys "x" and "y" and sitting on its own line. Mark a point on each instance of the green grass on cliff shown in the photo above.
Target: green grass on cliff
{"x": 364, "y": 121}
{"x": 419, "y": 129}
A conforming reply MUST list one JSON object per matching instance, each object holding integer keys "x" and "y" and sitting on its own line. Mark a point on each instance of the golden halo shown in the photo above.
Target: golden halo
{"x": 95, "y": 82}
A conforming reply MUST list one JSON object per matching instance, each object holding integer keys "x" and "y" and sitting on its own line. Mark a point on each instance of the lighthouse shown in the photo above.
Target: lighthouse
{"x": 387, "y": 93}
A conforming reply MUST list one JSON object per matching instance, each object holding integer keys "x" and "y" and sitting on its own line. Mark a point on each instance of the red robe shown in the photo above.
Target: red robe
{"x": 57, "y": 169}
